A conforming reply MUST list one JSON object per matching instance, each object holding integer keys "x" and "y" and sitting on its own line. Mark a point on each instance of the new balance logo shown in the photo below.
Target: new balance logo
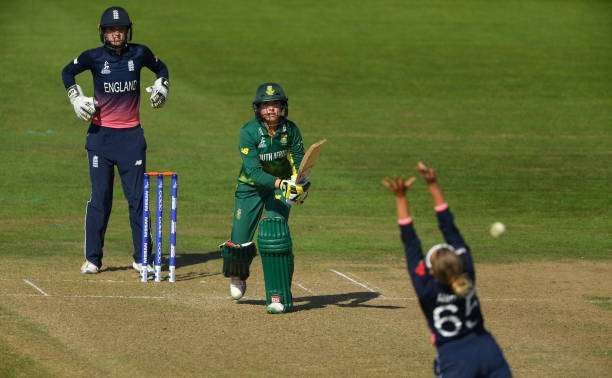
{"x": 138, "y": 162}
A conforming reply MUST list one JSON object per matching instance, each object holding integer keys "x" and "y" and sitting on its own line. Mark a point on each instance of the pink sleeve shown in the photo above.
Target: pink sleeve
{"x": 404, "y": 221}
{"x": 441, "y": 208}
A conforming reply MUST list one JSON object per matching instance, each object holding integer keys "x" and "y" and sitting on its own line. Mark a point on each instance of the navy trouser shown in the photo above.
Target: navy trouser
{"x": 107, "y": 148}
{"x": 475, "y": 355}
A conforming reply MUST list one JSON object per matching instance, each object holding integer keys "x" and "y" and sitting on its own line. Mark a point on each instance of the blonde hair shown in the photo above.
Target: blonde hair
{"x": 447, "y": 268}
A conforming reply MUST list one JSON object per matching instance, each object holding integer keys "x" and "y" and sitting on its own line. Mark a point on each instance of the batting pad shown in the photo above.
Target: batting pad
{"x": 275, "y": 248}
{"x": 237, "y": 260}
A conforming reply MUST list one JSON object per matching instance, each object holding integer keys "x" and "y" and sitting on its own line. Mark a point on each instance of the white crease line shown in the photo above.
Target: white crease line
{"x": 354, "y": 281}
{"x": 114, "y": 296}
{"x": 35, "y": 287}
{"x": 354, "y": 276}
{"x": 303, "y": 288}
{"x": 85, "y": 296}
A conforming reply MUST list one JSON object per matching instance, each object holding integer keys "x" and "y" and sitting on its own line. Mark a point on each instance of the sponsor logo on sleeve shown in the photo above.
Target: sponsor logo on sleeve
{"x": 94, "y": 161}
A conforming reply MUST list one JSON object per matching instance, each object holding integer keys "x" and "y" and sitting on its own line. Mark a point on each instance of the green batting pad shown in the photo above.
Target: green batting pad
{"x": 275, "y": 248}
{"x": 237, "y": 260}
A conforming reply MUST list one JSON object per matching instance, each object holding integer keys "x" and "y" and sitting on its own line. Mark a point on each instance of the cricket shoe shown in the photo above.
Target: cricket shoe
{"x": 275, "y": 308}
{"x": 89, "y": 268}
{"x": 237, "y": 287}
{"x": 137, "y": 267}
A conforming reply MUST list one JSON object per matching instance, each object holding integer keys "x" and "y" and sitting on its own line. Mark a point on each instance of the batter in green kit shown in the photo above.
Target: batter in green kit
{"x": 271, "y": 150}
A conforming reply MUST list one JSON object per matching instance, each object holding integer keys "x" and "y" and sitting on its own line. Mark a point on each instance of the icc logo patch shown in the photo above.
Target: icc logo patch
{"x": 238, "y": 214}
{"x": 106, "y": 70}
{"x": 130, "y": 65}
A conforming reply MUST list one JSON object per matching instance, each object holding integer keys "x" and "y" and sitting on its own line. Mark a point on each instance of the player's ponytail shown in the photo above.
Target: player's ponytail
{"x": 447, "y": 268}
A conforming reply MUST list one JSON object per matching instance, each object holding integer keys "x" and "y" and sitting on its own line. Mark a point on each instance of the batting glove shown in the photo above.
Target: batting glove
{"x": 159, "y": 92}
{"x": 84, "y": 107}
{"x": 294, "y": 193}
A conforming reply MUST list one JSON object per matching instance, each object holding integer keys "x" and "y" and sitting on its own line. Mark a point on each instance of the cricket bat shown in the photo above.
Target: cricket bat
{"x": 309, "y": 160}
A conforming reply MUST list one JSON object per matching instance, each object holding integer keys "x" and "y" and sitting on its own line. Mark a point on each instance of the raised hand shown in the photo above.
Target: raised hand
{"x": 398, "y": 185}
{"x": 428, "y": 174}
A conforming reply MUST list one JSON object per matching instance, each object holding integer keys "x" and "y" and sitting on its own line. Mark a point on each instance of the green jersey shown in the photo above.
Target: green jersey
{"x": 265, "y": 157}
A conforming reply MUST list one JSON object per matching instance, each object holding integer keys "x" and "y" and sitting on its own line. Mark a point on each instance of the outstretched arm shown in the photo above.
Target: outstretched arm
{"x": 399, "y": 186}
{"x": 446, "y": 221}
{"x": 429, "y": 175}
{"x": 412, "y": 244}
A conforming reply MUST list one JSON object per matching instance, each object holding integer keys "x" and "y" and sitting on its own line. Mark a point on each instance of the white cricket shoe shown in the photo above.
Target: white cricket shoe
{"x": 89, "y": 268}
{"x": 275, "y": 308}
{"x": 237, "y": 288}
{"x": 137, "y": 267}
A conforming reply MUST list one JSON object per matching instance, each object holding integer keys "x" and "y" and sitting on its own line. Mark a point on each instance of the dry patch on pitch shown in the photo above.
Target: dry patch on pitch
{"x": 552, "y": 319}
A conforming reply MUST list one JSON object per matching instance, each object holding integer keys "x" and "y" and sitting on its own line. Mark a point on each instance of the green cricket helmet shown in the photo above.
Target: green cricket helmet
{"x": 270, "y": 92}
{"x": 115, "y": 16}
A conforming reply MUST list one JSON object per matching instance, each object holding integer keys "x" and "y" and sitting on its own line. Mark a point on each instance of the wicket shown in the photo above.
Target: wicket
{"x": 158, "y": 229}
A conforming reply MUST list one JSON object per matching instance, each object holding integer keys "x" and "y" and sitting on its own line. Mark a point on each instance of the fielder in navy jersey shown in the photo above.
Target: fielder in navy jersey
{"x": 114, "y": 137}
{"x": 444, "y": 282}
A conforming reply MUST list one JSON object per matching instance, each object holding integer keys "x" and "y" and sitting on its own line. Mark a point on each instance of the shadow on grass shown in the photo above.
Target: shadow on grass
{"x": 195, "y": 275}
{"x": 182, "y": 260}
{"x": 193, "y": 258}
{"x": 354, "y": 299}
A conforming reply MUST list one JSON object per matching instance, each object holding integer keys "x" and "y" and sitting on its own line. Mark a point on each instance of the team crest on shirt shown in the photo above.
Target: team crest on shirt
{"x": 245, "y": 150}
{"x": 262, "y": 144}
{"x": 283, "y": 139}
{"x": 130, "y": 65}
{"x": 106, "y": 69}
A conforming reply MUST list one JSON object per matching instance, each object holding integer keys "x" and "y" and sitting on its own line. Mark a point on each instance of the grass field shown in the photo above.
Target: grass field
{"x": 510, "y": 101}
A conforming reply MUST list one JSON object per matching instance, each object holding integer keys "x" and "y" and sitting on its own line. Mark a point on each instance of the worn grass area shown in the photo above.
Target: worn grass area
{"x": 111, "y": 324}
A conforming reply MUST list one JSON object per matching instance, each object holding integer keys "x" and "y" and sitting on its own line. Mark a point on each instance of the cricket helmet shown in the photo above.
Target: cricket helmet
{"x": 271, "y": 92}
{"x": 115, "y": 16}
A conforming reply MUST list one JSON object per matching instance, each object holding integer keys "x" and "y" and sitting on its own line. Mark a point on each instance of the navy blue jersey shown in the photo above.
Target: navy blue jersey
{"x": 449, "y": 316}
{"x": 116, "y": 81}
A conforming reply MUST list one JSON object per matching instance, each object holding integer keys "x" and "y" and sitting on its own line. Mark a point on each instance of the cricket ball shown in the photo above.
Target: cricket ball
{"x": 497, "y": 229}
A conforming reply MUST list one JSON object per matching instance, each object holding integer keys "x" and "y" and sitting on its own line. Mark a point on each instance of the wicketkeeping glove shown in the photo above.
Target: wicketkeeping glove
{"x": 294, "y": 193}
{"x": 84, "y": 107}
{"x": 159, "y": 92}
